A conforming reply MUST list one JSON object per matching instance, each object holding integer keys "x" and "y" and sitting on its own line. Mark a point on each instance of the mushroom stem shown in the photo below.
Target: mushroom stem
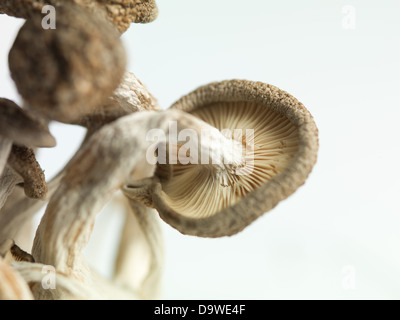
{"x": 130, "y": 96}
{"x": 5, "y": 250}
{"x": 12, "y": 285}
{"x": 8, "y": 180}
{"x": 133, "y": 96}
{"x": 141, "y": 248}
{"x": 140, "y": 191}
{"x": 89, "y": 184}
{"x": 5, "y": 148}
{"x": 18, "y": 209}
{"x": 67, "y": 288}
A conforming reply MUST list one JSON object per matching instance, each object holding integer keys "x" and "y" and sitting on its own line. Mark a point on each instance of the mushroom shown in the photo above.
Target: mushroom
{"x": 120, "y": 13}
{"x": 12, "y": 285}
{"x": 88, "y": 184}
{"x": 17, "y": 130}
{"x": 68, "y": 75}
{"x": 19, "y": 127}
{"x": 5, "y": 250}
{"x": 204, "y": 201}
{"x": 18, "y": 165}
{"x": 65, "y": 73}
{"x": 131, "y": 96}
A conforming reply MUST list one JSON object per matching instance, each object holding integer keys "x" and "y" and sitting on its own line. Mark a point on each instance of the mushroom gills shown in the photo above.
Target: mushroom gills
{"x": 200, "y": 191}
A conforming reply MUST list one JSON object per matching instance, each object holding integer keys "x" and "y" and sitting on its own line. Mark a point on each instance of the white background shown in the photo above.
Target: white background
{"x": 345, "y": 220}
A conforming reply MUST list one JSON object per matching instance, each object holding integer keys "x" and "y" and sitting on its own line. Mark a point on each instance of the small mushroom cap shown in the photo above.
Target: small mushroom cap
{"x": 198, "y": 200}
{"x": 123, "y": 13}
{"x": 67, "y": 72}
{"x": 17, "y": 125}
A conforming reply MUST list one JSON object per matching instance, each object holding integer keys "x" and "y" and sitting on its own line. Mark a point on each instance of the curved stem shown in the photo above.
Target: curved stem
{"x": 140, "y": 256}
{"x": 18, "y": 209}
{"x": 5, "y": 148}
{"x": 8, "y": 180}
{"x": 111, "y": 157}
{"x": 12, "y": 285}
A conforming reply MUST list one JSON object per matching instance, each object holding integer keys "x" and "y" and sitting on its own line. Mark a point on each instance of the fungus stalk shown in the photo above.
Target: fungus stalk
{"x": 12, "y": 285}
{"x": 142, "y": 241}
{"x": 88, "y": 184}
{"x": 8, "y": 180}
{"x": 5, "y": 148}
{"x": 17, "y": 210}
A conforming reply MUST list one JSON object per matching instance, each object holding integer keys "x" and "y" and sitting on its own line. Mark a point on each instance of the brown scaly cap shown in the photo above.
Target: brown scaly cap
{"x": 23, "y": 161}
{"x": 120, "y": 12}
{"x": 65, "y": 73}
{"x": 196, "y": 202}
{"x": 17, "y": 125}
{"x": 124, "y": 12}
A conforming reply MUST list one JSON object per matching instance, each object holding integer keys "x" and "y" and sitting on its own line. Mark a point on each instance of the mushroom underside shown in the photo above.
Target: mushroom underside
{"x": 268, "y": 141}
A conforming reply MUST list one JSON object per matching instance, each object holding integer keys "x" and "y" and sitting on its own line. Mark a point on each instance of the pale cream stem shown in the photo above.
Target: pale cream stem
{"x": 89, "y": 184}
{"x": 140, "y": 258}
{"x": 131, "y": 96}
{"x": 12, "y": 285}
{"x": 5, "y": 148}
{"x": 8, "y": 180}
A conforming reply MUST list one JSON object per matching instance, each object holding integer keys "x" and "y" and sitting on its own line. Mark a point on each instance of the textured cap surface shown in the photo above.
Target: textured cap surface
{"x": 297, "y": 126}
{"x": 120, "y": 12}
{"x": 17, "y": 125}
{"x": 66, "y": 72}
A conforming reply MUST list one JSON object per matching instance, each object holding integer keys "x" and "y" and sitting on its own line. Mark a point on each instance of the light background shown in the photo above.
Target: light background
{"x": 347, "y": 215}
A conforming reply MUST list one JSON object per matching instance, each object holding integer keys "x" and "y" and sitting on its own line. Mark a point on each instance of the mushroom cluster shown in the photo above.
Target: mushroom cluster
{"x": 256, "y": 144}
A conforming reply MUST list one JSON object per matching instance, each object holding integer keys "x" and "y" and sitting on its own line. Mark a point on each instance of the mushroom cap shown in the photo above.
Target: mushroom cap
{"x": 17, "y": 125}
{"x": 120, "y": 12}
{"x": 197, "y": 200}
{"x": 123, "y": 13}
{"x": 67, "y": 72}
